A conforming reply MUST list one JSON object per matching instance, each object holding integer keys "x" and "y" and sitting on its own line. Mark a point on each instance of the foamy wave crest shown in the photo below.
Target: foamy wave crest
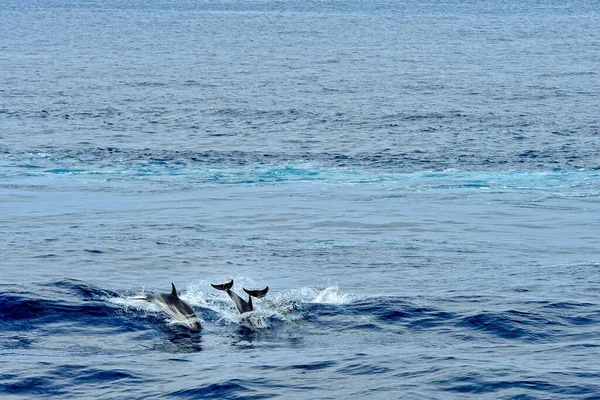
{"x": 196, "y": 296}
{"x": 295, "y": 298}
{"x": 127, "y": 301}
{"x": 275, "y": 309}
{"x": 332, "y": 295}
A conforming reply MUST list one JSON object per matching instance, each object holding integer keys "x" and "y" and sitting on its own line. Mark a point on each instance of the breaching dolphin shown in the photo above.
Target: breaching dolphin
{"x": 175, "y": 307}
{"x": 242, "y": 305}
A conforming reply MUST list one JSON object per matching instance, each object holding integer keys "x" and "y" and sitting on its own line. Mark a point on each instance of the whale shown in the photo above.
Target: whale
{"x": 175, "y": 307}
{"x": 242, "y": 305}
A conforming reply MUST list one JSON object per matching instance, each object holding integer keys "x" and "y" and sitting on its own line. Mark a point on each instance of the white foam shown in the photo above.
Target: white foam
{"x": 278, "y": 306}
{"x": 127, "y": 302}
{"x": 332, "y": 295}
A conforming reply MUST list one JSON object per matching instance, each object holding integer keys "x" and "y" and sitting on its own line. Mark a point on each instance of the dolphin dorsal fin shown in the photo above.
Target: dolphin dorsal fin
{"x": 173, "y": 291}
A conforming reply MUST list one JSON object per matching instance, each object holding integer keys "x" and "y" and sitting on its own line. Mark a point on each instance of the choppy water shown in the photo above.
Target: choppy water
{"x": 417, "y": 182}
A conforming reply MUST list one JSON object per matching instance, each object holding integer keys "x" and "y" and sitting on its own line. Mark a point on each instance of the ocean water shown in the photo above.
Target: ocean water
{"x": 418, "y": 183}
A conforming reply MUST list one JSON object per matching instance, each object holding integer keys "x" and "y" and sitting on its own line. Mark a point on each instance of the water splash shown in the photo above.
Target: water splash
{"x": 332, "y": 295}
{"x": 277, "y": 308}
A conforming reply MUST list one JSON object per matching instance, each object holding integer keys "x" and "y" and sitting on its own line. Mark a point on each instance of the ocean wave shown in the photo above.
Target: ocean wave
{"x": 61, "y": 380}
{"x": 91, "y": 321}
{"x": 276, "y": 309}
{"x": 234, "y": 388}
{"x": 78, "y": 303}
{"x": 476, "y": 384}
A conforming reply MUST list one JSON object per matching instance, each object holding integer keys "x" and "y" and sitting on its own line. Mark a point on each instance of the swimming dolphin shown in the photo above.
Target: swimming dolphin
{"x": 175, "y": 307}
{"x": 242, "y": 305}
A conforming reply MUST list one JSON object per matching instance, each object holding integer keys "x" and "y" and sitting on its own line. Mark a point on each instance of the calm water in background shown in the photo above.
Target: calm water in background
{"x": 417, "y": 182}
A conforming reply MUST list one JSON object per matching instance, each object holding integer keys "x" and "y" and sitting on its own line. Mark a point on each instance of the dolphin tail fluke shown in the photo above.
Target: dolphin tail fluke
{"x": 225, "y": 286}
{"x": 259, "y": 294}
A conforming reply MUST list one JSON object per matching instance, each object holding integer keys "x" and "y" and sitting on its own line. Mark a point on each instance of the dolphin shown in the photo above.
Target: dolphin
{"x": 175, "y": 307}
{"x": 242, "y": 305}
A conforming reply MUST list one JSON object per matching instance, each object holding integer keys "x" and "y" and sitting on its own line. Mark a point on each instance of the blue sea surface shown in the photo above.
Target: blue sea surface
{"x": 417, "y": 182}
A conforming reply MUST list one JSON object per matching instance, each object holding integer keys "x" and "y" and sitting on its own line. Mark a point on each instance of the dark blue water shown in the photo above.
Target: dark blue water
{"x": 417, "y": 182}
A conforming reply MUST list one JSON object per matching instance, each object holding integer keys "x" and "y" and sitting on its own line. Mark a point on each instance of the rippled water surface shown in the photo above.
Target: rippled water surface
{"x": 417, "y": 183}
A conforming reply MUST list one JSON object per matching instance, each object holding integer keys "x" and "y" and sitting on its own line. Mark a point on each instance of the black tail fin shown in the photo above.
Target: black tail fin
{"x": 225, "y": 286}
{"x": 259, "y": 294}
